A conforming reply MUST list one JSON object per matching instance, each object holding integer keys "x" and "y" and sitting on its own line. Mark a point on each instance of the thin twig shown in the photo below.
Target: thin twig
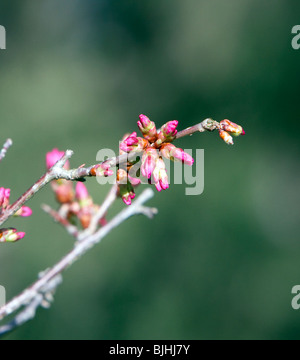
{"x": 8, "y": 143}
{"x": 111, "y": 197}
{"x": 205, "y": 125}
{"x": 71, "y": 229}
{"x": 43, "y": 298}
{"x": 34, "y": 291}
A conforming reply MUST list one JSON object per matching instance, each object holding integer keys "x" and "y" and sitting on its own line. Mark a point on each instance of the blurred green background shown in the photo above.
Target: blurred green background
{"x": 76, "y": 74}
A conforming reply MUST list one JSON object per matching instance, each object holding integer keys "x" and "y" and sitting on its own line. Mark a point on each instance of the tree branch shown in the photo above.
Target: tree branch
{"x": 205, "y": 125}
{"x": 32, "y": 297}
{"x": 58, "y": 171}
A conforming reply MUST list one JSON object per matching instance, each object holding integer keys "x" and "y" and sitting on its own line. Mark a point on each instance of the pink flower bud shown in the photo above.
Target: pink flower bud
{"x": 231, "y": 128}
{"x": 10, "y": 235}
{"x": 133, "y": 144}
{"x": 4, "y": 197}
{"x": 147, "y": 128}
{"x": 52, "y": 158}
{"x": 102, "y": 170}
{"x": 1, "y": 196}
{"x": 149, "y": 162}
{"x": 171, "y": 152}
{"x": 126, "y": 193}
{"x": 167, "y": 133}
{"x": 20, "y": 235}
{"x": 128, "y": 197}
{"x": 25, "y": 211}
{"x": 81, "y": 191}
{"x": 160, "y": 175}
{"x": 226, "y": 137}
{"x": 134, "y": 181}
{"x": 64, "y": 191}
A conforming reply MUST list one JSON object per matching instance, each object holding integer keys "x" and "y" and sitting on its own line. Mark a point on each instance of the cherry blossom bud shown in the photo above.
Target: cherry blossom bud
{"x": 4, "y": 197}
{"x": 127, "y": 193}
{"x": 102, "y": 170}
{"x": 171, "y": 152}
{"x": 64, "y": 191}
{"x": 133, "y": 144}
{"x": 25, "y": 211}
{"x": 10, "y": 235}
{"x": 231, "y": 128}
{"x": 52, "y": 158}
{"x": 147, "y": 128}
{"x": 134, "y": 181}
{"x": 122, "y": 177}
{"x": 149, "y": 159}
{"x": 167, "y": 133}
{"x": 81, "y": 191}
{"x": 226, "y": 137}
{"x": 160, "y": 175}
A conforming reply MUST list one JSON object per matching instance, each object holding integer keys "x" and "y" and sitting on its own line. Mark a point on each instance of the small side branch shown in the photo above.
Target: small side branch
{"x": 8, "y": 143}
{"x": 205, "y": 125}
{"x": 31, "y": 298}
{"x": 71, "y": 229}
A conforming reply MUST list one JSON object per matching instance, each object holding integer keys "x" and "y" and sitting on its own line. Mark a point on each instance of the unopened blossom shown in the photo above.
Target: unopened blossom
{"x": 226, "y": 137}
{"x": 147, "y": 128}
{"x": 133, "y": 143}
{"x": 63, "y": 190}
{"x": 24, "y": 211}
{"x": 167, "y": 133}
{"x": 53, "y": 157}
{"x": 231, "y": 128}
{"x": 171, "y": 152}
{"x": 102, "y": 170}
{"x": 83, "y": 196}
{"x": 4, "y": 197}
{"x": 127, "y": 193}
{"x": 81, "y": 191}
{"x": 160, "y": 175}
{"x": 85, "y": 208}
{"x": 122, "y": 177}
{"x": 149, "y": 159}
{"x": 10, "y": 235}
{"x": 134, "y": 181}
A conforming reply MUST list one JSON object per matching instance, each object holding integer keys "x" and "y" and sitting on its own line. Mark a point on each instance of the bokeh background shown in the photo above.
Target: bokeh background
{"x": 76, "y": 74}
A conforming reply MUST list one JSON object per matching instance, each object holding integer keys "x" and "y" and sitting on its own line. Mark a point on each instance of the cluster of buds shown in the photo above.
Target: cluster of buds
{"x": 228, "y": 129}
{"x": 75, "y": 204}
{"x": 11, "y": 234}
{"x": 155, "y": 145}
